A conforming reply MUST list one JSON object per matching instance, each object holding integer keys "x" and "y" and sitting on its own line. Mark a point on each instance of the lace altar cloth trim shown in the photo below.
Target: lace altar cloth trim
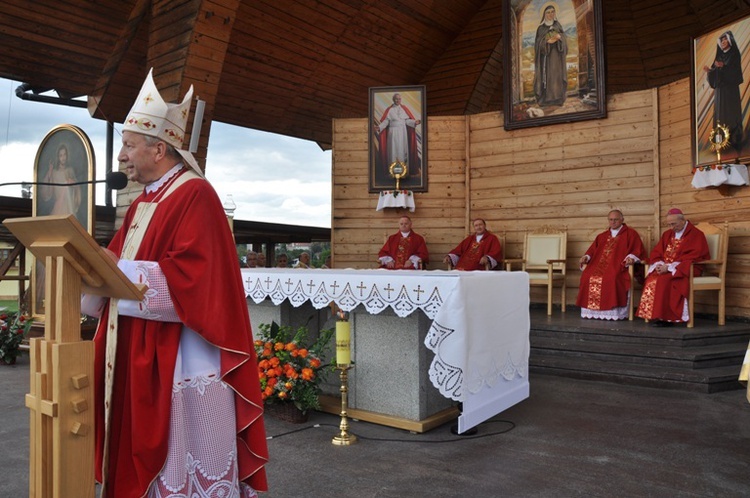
{"x": 404, "y": 291}
{"x": 480, "y": 328}
{"x": 202, "y": 459}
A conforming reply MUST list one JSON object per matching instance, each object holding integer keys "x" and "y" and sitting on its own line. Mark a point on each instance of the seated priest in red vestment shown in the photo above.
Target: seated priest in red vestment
{"x": 476, "y": 251}
{"x": 404, "y": 250}
{"x": 666, "y": 288}
{"x": 604, "y": 292}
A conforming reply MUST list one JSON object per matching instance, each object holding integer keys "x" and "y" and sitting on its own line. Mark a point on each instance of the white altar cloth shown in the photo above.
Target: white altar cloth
{"x": 479, "y": 334}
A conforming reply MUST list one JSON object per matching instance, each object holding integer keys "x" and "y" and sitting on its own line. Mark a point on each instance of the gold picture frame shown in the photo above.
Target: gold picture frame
{"x": 720, "y": 94}
{"x": 65, "y": 157}
{"x": 553, "y": 67}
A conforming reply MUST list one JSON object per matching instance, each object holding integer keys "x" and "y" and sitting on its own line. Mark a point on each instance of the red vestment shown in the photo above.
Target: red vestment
{"x": 469, "y": 251}
{"x": 605, "y": 282}
{"x": 197, "y": 256}
{"x": 664, "y": 295}
{"x": 401, "y": 248}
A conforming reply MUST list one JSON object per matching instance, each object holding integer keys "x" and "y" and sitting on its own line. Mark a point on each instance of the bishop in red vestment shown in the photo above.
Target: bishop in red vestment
{"x": 185, "y": 412}
{"x": 404, "y": 250}
{"x": 477, "y": 250}
{"x": 666, "y": 288}
{"x": 605, "y": 283}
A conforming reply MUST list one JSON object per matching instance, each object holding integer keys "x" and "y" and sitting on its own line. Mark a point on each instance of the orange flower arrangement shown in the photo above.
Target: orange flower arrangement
{"x": 289, "y": 370}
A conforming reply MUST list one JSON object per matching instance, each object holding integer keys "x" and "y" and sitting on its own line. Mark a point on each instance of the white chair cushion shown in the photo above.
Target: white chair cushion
{"x": 542, "y": 277}
{"x": 706, "y": 280}
{"x": 714, "y": 242}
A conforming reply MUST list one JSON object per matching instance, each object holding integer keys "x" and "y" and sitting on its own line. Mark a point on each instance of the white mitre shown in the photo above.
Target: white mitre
{"x": 151, "y": 116}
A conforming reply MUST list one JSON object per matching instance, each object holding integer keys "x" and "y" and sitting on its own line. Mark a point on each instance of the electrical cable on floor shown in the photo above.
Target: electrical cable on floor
{"x": 391, "y": 440}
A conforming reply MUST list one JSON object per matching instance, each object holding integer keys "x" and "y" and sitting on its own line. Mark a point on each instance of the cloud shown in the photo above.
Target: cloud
{"x": 272, "y": 178}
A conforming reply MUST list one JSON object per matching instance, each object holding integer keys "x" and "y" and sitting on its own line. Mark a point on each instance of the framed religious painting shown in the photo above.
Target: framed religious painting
{"x": 719, "y": 94}
{"x": 554, "y": 59}
{"x": 64, "y": 164}
{"x": 398, "y": 139}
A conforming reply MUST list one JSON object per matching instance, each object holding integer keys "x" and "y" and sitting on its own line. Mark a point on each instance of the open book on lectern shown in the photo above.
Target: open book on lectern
{"x": 63, "y": 236}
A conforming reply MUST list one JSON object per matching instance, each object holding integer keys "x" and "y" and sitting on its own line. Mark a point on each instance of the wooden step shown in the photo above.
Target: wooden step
{"x": 706, "y": 358}
{"x": 706, "y": 380}
{"x": 687, "y": 357}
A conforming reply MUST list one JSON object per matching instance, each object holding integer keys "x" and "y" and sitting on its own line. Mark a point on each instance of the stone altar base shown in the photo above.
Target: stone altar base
{"x": 389, "y": 384}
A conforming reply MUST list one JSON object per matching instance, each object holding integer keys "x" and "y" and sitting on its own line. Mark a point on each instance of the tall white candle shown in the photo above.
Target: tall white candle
{"x": 343, "y": 343}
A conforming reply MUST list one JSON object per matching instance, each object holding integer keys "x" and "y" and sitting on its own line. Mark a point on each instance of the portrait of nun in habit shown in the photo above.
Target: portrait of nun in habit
{"x": 550, "y": 52}
{"x": 725, "y": 77}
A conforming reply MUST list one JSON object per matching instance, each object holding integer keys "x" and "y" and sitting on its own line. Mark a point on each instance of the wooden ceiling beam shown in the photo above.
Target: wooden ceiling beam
{"x": 188, "y": 45}
{"x": 101, "y": 104}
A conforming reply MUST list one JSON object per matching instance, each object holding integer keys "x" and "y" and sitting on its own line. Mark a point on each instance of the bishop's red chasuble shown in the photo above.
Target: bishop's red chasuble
{"x": 605, "y": 282}
{"x": 664, "y": 295}
{"x": 198, "y": 258}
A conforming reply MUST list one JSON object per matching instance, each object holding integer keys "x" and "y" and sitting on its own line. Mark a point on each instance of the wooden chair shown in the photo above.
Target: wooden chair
{"x": 631, "y": 270}
{"x": 487, "y": 266}
{"x": 544, "y": 259}
{"x": 714, "y": 269}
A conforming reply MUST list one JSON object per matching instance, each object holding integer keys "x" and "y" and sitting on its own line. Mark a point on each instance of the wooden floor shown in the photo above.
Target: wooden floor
{"x": 706, "y": 358}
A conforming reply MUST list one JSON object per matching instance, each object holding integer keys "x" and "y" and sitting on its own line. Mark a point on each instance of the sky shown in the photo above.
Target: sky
{"x": 271, "y": 178}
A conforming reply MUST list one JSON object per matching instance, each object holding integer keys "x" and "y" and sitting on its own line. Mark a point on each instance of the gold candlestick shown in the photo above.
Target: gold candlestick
{"x": 343, "y": 438}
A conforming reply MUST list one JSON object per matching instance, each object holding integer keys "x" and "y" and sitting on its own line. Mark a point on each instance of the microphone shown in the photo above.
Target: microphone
{"x": 116, "y": 180}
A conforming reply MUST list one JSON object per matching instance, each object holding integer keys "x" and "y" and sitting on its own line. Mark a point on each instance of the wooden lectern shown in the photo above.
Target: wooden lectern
{"x": 61, "y": 456}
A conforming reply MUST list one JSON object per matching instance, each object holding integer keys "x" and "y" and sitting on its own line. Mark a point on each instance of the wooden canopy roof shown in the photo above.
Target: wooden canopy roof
{"x": 289, "y": 67}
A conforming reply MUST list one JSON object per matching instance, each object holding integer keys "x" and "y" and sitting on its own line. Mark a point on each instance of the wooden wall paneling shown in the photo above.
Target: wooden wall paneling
{"x": 565, "y": 175}
{"x": 637, "y": 160}
{"x": 359, "y": 230}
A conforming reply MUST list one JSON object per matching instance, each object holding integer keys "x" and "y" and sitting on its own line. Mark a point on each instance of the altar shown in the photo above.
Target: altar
{"x": 474, "y": 327}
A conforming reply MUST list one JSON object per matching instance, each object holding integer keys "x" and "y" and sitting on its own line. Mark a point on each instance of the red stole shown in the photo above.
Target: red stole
{"x": 403, "y": 252}
{"x": 470, "y": 259}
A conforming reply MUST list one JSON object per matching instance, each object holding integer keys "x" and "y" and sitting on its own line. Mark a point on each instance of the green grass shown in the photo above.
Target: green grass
{"x": 9, "y": 304}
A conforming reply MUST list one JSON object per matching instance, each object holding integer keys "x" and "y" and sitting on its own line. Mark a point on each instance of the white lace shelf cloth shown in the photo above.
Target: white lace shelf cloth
{"x": 480, "y": 329}
{"x": 729, "y": 174}
{"x": 396, "y": 199}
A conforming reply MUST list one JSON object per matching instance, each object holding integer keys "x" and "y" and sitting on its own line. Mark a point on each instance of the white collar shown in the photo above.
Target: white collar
{"x": 615, "y": 232}
{"x": 154, "y": 186}
{"x": 406, "y": 234}
{"x": 479, "y": 237}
